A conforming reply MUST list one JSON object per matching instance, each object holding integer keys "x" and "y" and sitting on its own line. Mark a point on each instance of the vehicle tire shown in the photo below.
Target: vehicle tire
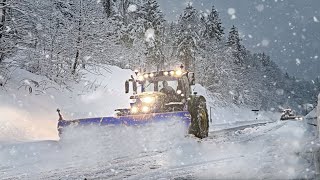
{"x": 199, "y": 117}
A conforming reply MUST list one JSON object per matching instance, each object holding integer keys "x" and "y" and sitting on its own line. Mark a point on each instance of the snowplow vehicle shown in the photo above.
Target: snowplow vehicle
{"x": 156, "y": 97}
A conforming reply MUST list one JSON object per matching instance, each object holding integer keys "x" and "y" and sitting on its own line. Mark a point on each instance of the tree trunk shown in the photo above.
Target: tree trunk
{"x": 2, "y": 21}
{"x": 107, "y": 5}
{"x": 75, "y": 64}
{"x": 76, "y": 61}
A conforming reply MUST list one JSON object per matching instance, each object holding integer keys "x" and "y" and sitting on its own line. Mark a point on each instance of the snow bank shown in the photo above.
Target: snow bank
{"x": 232, "y": 115}
{"x": 312, "y": 120}
{"x": 265, "y": 152}
{"x": 28, "y": 102}
{"x": 318, "y": 115}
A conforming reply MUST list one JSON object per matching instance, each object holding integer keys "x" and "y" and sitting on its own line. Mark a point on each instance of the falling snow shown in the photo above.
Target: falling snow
{"x": 260, "y": 7}
{"x": 149, "y": 35}
{"x": 265, "y": 42}
{"x": 232, "y": 12}
{"x": 132, "y": 8}
{"x": 279, "y": 68}
{"x": 298, "y": 62}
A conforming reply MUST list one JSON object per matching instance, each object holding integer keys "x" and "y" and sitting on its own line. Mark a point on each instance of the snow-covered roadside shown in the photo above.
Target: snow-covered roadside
{"x": 268, "y": 152}
{"x": 233, "y": 116}
{"x": 26, "y": 115}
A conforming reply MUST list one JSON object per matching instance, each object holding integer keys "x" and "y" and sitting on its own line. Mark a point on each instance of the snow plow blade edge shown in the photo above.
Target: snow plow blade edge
{"x": 130, "y": 120}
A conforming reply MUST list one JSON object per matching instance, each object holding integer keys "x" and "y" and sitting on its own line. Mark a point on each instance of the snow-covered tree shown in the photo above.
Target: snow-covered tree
{"x": 3, "y": 10}
{"x": 187, "y": 36}
{"x": 17, "y": 26}
{"x": 234, "y": 42}
{"x": 108, "y": 7}
{"x": 213, "y": 26}
{"x": 153, "y": 21}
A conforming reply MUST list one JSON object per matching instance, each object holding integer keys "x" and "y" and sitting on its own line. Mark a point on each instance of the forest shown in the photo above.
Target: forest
{"x": 56, "y": 39}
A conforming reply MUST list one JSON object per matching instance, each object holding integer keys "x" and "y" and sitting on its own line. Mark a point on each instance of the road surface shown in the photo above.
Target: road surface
{"x": 162, "y": 151}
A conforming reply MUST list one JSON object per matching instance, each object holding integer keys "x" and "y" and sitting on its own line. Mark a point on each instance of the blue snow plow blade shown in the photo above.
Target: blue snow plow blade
{"x": 131, "y": 120}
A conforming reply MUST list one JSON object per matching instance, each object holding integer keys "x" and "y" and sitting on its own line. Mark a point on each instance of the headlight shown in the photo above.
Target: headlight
{"x": 148, "y": 100}
{"x": 166, "y": 73}
{"x": 146, "y": 76}
{"x": 178, "y": 72}
{"x": 134, "y": 110}
{"x": 151, "y": 75}
{"x": 140, "y": 78}
{"x": 179, "y": 91}
{"x": 131, "y": 101}
{"x": 145, "y": 109}
{"x": 171, "y": 73}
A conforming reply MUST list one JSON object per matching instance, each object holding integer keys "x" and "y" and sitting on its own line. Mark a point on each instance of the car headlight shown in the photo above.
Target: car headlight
{"x": 134, "y": 110}
{"x": 148, "y": 100}
{"x": 145, "y": 109}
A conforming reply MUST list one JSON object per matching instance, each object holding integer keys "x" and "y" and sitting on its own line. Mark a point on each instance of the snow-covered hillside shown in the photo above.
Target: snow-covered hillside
{"x": 32, "y": 115}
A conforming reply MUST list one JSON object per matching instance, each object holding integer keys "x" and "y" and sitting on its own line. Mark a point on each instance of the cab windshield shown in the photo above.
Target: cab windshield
{"x": 151, "y": 86}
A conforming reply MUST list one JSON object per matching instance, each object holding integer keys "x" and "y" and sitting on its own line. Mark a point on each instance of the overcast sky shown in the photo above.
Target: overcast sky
{"x": 287, "y": 30}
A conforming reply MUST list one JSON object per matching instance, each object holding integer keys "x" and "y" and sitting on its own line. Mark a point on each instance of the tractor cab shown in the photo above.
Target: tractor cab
{"x": 162, "y": 91}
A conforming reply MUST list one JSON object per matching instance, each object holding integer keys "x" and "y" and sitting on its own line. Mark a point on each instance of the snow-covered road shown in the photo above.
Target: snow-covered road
{"x": 271, "y": 151}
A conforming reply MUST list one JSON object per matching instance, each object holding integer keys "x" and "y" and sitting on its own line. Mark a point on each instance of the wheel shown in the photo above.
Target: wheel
{"x": 199, "y": 117}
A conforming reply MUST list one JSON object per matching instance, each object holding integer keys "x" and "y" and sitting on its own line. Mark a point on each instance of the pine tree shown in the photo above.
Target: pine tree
{"x": 265, "y": 60}
{"x": 234, "y": 42}
{"x": 187, "y": 37}
{"x": 213, "y": 27}
{"x": 3, "y": 4}
{"x": 107, "y": 5}
{"x": 153, "y": 21}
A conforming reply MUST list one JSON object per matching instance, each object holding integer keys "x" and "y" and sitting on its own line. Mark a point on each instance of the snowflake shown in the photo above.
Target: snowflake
{"x": 232, "y": 12}
{"x": 149, "y": 35}
{"x": 260, "y": 7}
{"x": 298, "y": 62}
{"x": 26, "y": 82}
{"x": 265, "y": 42}
{"x": 132, "y": 8}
